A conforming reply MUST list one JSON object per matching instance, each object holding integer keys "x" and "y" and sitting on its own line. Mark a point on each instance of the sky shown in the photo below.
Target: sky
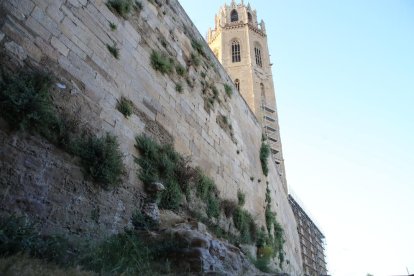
{"x": 344, "y": 80}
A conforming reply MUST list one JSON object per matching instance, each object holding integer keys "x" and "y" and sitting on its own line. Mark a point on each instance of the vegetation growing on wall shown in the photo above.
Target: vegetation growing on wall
{"x": 101, "y": 159}
{"x": 113, "y": 50}
{"x": 26, "y": 104}
{"x": 274, "y": 241}
{"x": 122, "y": 7}
{"x": 264, "y": 155}
{"x": 161, "y": 62}
{"x": 125, "y": 253}
{"x": 125, "y": 106}
{"x": 228, "y": 90}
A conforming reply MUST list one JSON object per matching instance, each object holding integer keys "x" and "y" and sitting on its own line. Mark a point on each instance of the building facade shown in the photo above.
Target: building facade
{"x": 311, "y": 242}
{"x": 239, "y": 42}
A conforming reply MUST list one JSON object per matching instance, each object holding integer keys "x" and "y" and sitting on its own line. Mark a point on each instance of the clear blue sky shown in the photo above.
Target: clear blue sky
{"x": 344, "y": 77}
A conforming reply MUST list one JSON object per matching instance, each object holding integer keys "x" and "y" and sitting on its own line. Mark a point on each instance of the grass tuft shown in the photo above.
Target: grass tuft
{"x": 228, "y": 90}
{"x": 113, "y": 50}
{"x": 101, "y": 159}
{"x": 181, "y": 71}
{"x": 264, "y": 155}
{"x": 241, "y": 198}
{"x": 125, "y": 106}
{"x": 161, "y": 62}
{"x": 112, "y": 26}
{"x": 122, "y": 7}
{"x": 179, "y": 88}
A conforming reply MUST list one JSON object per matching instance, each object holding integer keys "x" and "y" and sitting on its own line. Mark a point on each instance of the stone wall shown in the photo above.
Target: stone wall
{"x": 69, "y": 38}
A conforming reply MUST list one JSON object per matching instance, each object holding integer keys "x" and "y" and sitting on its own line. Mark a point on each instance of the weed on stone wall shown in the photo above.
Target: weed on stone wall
{"x": 122, "y": 7}
{"x": 161, "y": 62}
{"x": 126, "y": 253}
{"x": 228, "y": 90}
{"x": 179, "y": 88}
{"x": 125, "y": 106}
{"x": 161, "y": 163}
{"x": 112, "y": 26}
{"x": 195, "y": 59}
{"x": 274, "y": 240}
{"x": 180, "y": 70}
{"x": 113, "y": 50}
{"x": 198, "y": 47}
{"x": 26, "y": 104}
{"x": 264, "y": 155}
{"x": 101, "y": 159}
{"x": 19, "y": 235}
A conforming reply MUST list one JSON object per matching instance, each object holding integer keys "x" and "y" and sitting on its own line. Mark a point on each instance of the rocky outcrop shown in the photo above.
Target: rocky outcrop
{"x": 196, "y": 250}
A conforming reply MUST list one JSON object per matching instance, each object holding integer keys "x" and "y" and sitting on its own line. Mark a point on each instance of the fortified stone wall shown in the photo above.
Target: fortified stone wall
{"x": 69, "y": 39}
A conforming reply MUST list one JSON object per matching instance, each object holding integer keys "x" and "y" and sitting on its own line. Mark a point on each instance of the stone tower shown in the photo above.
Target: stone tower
{"x": 240, "y": 44}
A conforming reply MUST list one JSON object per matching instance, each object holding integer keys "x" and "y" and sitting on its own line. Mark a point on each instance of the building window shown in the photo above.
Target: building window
{"x": 249, "y": 17}
{"x": 262, "y": 90}
{"x": 237, "y": 84}
{"x": 235, "y": 51}
{"x": 234, "y": 16}
{"x": 258, "y": 56}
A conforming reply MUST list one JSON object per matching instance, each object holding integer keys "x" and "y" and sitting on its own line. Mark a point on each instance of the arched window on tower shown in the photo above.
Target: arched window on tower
{"x": 249, "y": 17}
{"x": 258, "y": 55}
{"x": 234, "y": 16}
{"x": 235, "y": 51}
{"x": 237, "y": 84}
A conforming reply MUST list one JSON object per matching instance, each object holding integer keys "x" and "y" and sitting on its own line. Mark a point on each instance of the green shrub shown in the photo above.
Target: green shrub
{"x": 113, "y": 50}
{"x": 264, "y": 155}
{"x": 228, "y": 207}
{"x": 244, "y": 222}
{"x": 123, "y": 253}
{"x": 195, "y": 59}
{"x": 122, "y": 7}
{"x": 228, "y": 89}
{"x": 101, "y": 159}
{"x": 215, "y": 92}
{"x": 276, "y": 240}
{"x": 112, "y": 26}
{"x": 203, "y": 75}
{"x": 25, "y": 101}
{"x": 163, "y": 163}
{"x": 213, "y": 206}
{"x": 179, "y": 88}
{"x": 172, "y": 196}
{"x": 241, "y": 198}
{"x": 139, "y": 221}
{"x": 198, "y": 47}
{"x": 205, "y": 186}
{"x": 180, "y": 69}
{"x": 125, "y": 106}
{"x": 19, "y": 235}
{"x": 161, "y": 62}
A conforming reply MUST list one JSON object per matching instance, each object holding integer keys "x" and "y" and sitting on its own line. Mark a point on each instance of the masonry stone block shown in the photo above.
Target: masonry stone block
{"x": 58, "y": 45}
{"x": 16, "y": 50}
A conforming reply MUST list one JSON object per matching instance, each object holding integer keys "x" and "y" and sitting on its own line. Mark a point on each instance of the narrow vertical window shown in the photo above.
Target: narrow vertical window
{"x": 237, "y": 84}
{"x": 249, "y": 17}
{"x": 234, "y": 16}
{"x": 235, "y": 51}
{"x": 258, "y": 56}
{"x": 262, "y": 89}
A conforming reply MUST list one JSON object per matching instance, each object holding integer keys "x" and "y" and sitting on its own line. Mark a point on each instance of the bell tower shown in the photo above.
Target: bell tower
{"x": 239, "y": 42}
